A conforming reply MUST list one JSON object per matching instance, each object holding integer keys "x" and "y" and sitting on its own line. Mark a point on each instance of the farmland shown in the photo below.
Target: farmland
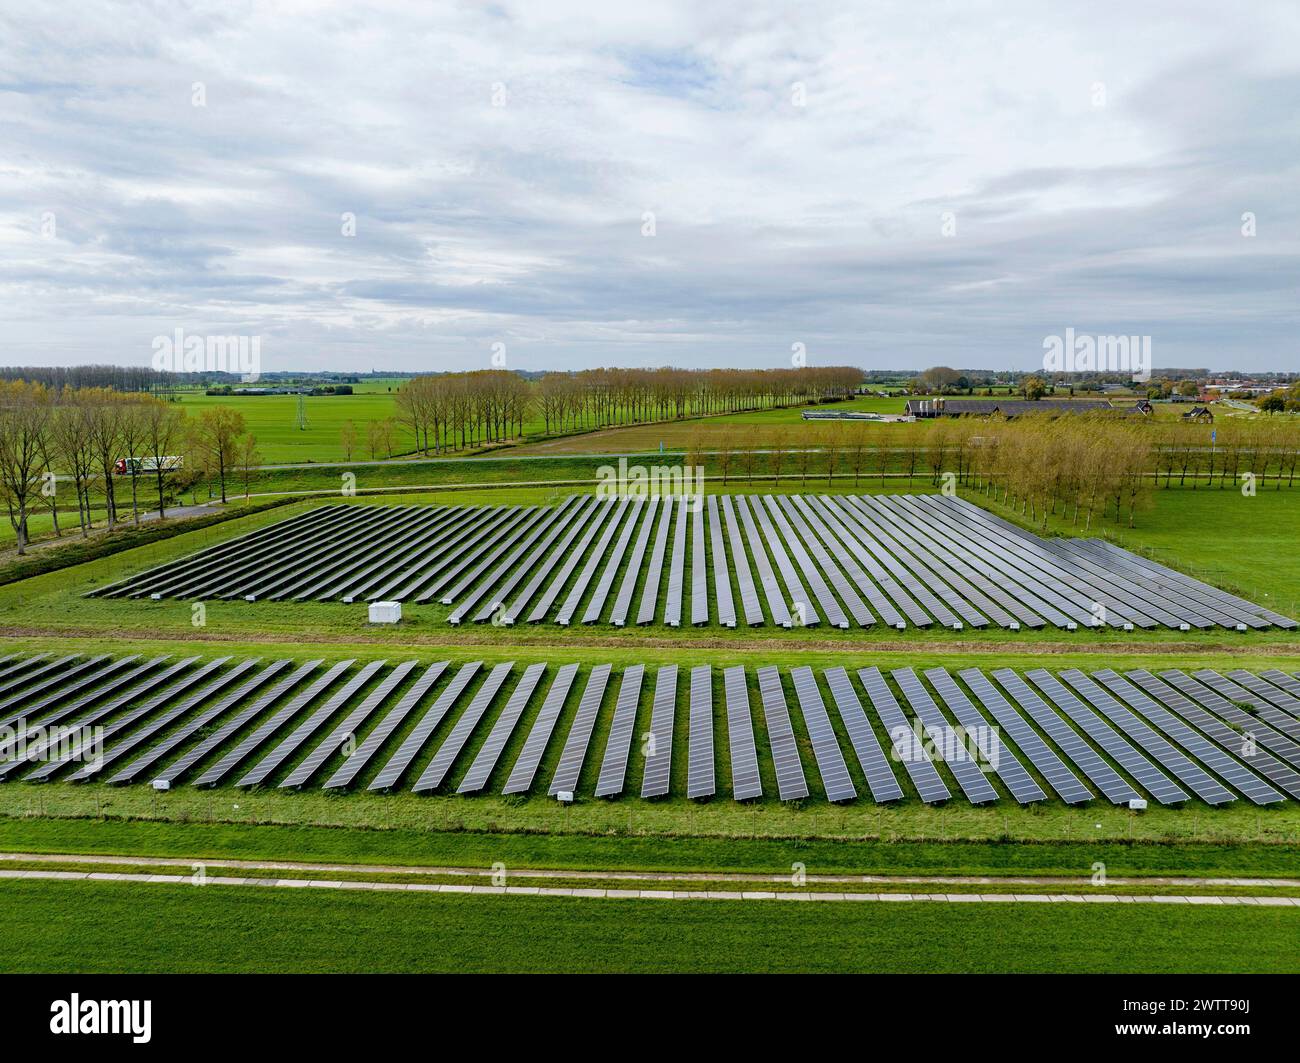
{"x": 1195, "y": 530}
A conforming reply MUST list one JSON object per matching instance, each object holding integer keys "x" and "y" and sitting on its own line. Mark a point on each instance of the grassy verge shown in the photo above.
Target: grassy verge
{"x": 430, "y": 848}
{"x": 121, "y": 927}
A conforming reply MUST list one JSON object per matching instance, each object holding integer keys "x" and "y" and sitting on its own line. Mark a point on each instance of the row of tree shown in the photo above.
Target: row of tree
{"x": 453, "y": 411}
{"x": 77, "y": 436}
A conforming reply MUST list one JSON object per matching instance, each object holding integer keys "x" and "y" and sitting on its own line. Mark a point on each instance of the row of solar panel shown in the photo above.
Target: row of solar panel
{"x": 792, "y": 560}
{"x": 1170, "y": 737}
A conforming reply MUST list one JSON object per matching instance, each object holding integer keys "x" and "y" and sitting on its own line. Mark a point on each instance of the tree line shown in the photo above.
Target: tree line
{"x": 50, "y": 440}
{"x": 454, "y": 411}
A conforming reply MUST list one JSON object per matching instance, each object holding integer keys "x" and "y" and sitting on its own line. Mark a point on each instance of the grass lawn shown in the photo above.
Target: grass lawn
{"x": 611, "y": 852}
{"x": 120, "y": 927}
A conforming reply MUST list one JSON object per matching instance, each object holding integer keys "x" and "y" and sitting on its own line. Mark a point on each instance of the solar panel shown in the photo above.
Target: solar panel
{"x": 1283, "y": 681}
{"x": 615, "y": 559}
{"x": 356, "y": 761}
{"x": 1265, "y": 710}
{"x": 603, "y": 510}
{"x": 977, "y": 586}
{"x": 991, "y": 747}
{"x": 800, "y": 562}
{"x": 300, "y": 734}
{"x": 108, "y": 685}
{"x": 1211, "y": 755}
{"x": 776, "y": 604}
{"x": 64, "y": 675}
{"x": 800, "y": 532}
{"x": 346, "y": 730}
{"x": 30, "y": 675}
{"x": 431, "y": 566}
{"x": 1036, "y": 589}
{"x": 1112, "y": 785}
{"x": 524, "y": 533}
{"x": 700, "y": 780}
{"x": 1245, "y": 743}
{"x": 1236, "y": 608}
{"x": 1014, "y": 554}
{"x": 654, "y": 573}
{"x": 59, "y": 736}
{"x": 1192, "y": 775}
{"x": 567, "y": 521}
{"x": 800, "y": 604}
{"x": 521, "y": 775}
{"x": 623, "y": 602}
{"x": 963, "y": 765}
{"x": 740, "y": 566}
{"x": 583, "y": 582}
{"x": 12, "y": 662}
{"x": 1159, "y": 785}
{"x": 78, "y": 747}
{"x": 699, "y": 563}
{"x": 244, "y": 553}
{"x": 844, "y": 550}
{"x": 613, "y": 768}
{"x": 273, "y": 724}
{"x": 451, "y": 747}
{"x": 569, "y": 770}
{"x": 677, "y": 568}
{"x": 391, "y": 773}
{"x": 589, "y": 517}
{"x": 906, "y": 746}
{"x": 745, "y": 781}
{"x": 490, "y": 752}
{"x": 901, "y": 586}
{"x": 659, "y": 742}
{"x": 1266, "y": 690}
{"x": 790, "y": 781}
{"x": 154, "y": 726}
{"x": 325, "y": 557}
{"x": 721, "y": 572}
{"x": 826, "y": 748}
{"x": 924, "y": 582}
{"x": 196, "y": 754}
{"x": 974, "y": 592}
{"x": 331, "y": 580}
{"x": 875, "y": 765}
{"x": 191, "y": 727}
{"x": 468, "y": 563}
{"x": 1040, "y": 754}
{"x": 546, "y": 530}
{"x": 449, "y": 532}
{"x": 1248, "y": 722}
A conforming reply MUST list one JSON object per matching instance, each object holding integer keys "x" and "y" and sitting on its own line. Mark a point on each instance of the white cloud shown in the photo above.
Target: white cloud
{"x": 774, "y": 222}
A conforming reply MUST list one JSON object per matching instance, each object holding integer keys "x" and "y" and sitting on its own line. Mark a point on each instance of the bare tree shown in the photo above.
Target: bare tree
{"x": 24, "y": 413}
{"x": 217, "y": 433}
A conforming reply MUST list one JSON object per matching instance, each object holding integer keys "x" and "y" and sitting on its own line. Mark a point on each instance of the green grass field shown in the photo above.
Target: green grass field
{"x": 1243, "y": 544}
{"x": 115, "y": 927}
{"x": 274, "y": 420}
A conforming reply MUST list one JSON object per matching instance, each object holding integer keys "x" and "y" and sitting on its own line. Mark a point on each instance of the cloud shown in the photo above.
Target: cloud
{"x": 503, "y": 162}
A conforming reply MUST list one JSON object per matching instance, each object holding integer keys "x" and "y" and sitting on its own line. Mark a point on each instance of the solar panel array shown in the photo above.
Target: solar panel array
{"x": 844, "y": 560}
{"x": 832, "y": 734}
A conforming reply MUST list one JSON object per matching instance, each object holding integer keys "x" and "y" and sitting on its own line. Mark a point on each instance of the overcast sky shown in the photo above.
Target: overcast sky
{"x": 891, "y": 185}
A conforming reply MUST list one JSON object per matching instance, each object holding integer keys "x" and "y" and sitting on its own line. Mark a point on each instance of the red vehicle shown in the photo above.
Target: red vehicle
{"x": 136, "y": 466}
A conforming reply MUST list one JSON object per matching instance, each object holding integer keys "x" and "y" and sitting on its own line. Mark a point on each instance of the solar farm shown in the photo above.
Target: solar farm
{"x": 838, "y": 734}
{"x": 848, "y": 561}
{"x": 590, "y": 701}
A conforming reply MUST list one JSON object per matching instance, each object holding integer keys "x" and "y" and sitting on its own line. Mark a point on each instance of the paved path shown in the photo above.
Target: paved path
{"x": 635, "y": 894}
{"x": 661, "y": 895}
